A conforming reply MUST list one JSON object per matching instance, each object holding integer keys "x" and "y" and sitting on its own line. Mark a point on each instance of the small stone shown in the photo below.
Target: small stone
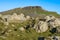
{"x": 18, "y": 35}
{"x": 9, "y": 30}
{"x": 13, "y": 25}
{"x": 21, "y": 29}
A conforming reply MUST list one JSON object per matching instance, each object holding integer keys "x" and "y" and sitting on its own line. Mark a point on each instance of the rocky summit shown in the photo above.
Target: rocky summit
{"x": 29, "y": 26}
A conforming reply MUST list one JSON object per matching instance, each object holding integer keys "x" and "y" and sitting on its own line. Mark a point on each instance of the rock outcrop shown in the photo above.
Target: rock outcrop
{"x": 52, "y": 21}
{"x": 41, "y": 27}
{"x": 39, "y": 24}
{"x": 15, "y": 18}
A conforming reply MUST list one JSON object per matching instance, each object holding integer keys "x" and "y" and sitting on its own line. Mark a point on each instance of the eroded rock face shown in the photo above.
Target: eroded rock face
{"x": 58, "y": 29}
{"x": 41, "y": 27}
{"x": 13, "y": 18}
{"x": 49, "y": 18}
{"x": 57, "y": 22}
{"x": 52, "y": 21}
{"x": 27, "y": 17}
{"x": 54, "y": 37}
{"x": 44, "y": 27}
{"x": 16, "y": 17}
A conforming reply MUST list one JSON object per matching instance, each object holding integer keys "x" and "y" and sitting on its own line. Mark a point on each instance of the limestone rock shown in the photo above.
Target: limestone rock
{"x": 49, "y": 18}
{"x": 9, "y": 30}
{"x": 27, "y": 17}
{"x": 6, "y": 23}
{"x": 0, "y": 15}
{"x": 22, "y": 17}
{"x": 18, "y": 17}
{"x": 54, "y": 37}
{"x": 21, "y": 29}
{"x": 57, "y": 22}
{"x": 13, "y": 25}
{"x": 58, "y": 29}
{"x": 41, "y": 27}
{"x": 14, "y": 17}
{"x": 54, "y": 23}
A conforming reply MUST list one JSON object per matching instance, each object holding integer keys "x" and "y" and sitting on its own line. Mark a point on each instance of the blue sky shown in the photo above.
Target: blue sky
{"x": 50, "y": 5}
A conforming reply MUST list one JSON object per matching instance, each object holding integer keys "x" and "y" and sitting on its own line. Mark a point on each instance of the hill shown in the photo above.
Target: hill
{"x": 30, "y": 29}
{"x": 31, "y": 10}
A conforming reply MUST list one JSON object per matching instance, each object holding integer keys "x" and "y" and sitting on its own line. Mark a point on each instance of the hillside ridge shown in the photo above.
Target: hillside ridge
{"x": 31, "y": 10}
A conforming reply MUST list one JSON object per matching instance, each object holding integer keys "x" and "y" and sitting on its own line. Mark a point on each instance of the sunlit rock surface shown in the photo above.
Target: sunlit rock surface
{"x": 25, "y": 26}
{"x": 41, "y": 27}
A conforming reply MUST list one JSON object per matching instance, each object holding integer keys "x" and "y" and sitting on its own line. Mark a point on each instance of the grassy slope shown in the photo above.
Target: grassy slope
{"x": 31, "y": 10}
{"x": 29, "y": 34}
